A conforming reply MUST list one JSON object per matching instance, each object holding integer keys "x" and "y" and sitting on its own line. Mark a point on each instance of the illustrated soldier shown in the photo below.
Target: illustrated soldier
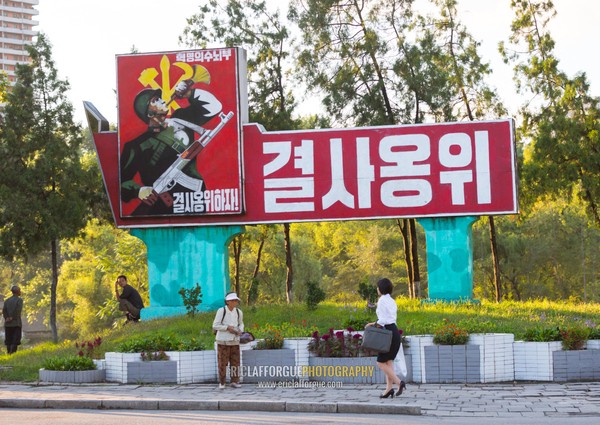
{"x": 145, "y": 158}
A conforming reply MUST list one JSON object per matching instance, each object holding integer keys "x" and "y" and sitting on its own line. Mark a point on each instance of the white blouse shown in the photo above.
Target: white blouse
{"x": 387, "y": 310}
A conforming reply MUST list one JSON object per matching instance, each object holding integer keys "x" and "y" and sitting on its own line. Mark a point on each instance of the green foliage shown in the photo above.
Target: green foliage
{"x": 192, "y": 298}
{"x": 149, "y": 356}
{"x": 450, "y": 334}
{"x": 193, "y": 344}
{"x": 563, "y": 124}
{"x": 287, "y": 329}
{"x": 359, "y": 318}
{"x": 368, "y": 292}
{"x": 594, "y": 332}
{"x": 272, "y": 339}
{"x": 160, "y": 342}
{"x": 70, "y": 363}
{"x": 314, "y": 295}
{"x": 574, "y": 336}
{"x": 542, "y": 334}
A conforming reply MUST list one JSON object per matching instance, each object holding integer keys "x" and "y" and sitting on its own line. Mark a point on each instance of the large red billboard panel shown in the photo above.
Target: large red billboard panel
{"x": 398, "y": 171}
{"x": 180, "y": 133}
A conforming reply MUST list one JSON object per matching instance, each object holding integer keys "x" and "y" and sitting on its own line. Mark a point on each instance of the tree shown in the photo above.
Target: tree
{"x": 347, "y": 57}
{"x": 262, "y": 32}
{"x": 562, "y": 119}
{"x": 42, "y": 186}
{"x": 470, "y": 97}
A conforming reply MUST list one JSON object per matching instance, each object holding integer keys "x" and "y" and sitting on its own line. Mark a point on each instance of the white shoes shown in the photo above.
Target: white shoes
{"x": 221, "y": 386}
{"x": 236, "y": 385}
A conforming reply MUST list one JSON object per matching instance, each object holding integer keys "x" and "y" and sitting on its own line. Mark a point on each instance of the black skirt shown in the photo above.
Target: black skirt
{"x": 394, "y": 348}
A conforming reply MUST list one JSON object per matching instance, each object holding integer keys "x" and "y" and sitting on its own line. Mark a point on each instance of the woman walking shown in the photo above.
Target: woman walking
{"x": 387, "y": 313}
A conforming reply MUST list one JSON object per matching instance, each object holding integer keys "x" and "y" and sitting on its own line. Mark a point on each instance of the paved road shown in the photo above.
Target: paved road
{"x": 137, "y": 417}
{"x": 541, "y": 400}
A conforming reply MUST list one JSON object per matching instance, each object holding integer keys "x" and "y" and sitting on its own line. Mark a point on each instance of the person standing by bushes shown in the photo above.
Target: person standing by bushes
{"x": 11, "y": 312}
{"x": 229, "y": 325}
{"x": 387, "y": 314}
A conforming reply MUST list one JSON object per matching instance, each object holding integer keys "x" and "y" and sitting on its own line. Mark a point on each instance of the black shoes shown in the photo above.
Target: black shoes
{"x": 402, "y": 387}
{"x": 390, "y": 393}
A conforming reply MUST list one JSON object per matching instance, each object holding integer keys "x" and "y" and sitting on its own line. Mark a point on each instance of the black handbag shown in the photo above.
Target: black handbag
{"x": 377, "y": 339}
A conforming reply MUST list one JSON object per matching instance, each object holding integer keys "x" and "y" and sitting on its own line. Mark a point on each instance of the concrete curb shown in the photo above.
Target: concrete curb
{"x": 225, "y": 405}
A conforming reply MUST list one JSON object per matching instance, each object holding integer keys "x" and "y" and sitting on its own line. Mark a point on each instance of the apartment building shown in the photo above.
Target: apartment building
{"x": 16, "y": 31}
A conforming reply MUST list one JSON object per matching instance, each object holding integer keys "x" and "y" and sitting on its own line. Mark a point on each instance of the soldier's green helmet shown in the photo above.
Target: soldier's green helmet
{"x": 142, "y": 100}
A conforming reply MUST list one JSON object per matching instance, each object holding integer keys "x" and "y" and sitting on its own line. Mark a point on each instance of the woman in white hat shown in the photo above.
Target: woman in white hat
{"x": 229, "y": 325}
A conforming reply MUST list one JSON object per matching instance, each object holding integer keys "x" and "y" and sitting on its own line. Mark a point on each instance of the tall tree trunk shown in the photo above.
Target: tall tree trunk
{"x": 414, "y": 248}
{"x": 495, "y": 261}
{"x": 289, "y": 278}
{"x": 53, "y": 286}
{"x": 405, "y": 231}
{"x": 253, "y": 281}
{"x": 237, "y": 250}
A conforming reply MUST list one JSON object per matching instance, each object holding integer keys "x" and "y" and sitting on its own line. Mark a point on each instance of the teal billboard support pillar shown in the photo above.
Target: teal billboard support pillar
{"x": 180, "y": 257}
{"x": 449, "y": 257}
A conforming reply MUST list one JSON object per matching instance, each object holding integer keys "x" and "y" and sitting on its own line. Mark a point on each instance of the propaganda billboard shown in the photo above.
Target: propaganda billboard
{"x": 185, "y": 155}
{"x": 180, "y": 118}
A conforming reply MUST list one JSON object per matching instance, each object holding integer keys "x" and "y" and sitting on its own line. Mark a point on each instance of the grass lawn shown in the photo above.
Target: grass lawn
{"x": 414, "y": 317}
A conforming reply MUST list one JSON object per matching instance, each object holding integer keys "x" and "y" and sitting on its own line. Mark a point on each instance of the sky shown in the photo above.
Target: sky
{"x": 86, "y": 36}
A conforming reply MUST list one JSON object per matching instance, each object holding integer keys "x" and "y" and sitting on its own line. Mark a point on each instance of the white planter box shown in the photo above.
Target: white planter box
{"x": 300, "y": 347}
{"x": 116, "y": 365}
{"x": 496, "y": 356}
{"x": 533, "y": 360}
{"x": 593, "y": 344}
{"x": 416, "y": 350}
{"x": 192, "y": 366}
{"x": 72, "y": 377}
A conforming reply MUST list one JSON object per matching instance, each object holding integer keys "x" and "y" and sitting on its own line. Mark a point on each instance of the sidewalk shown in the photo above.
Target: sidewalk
{"x": 482, "y": 400}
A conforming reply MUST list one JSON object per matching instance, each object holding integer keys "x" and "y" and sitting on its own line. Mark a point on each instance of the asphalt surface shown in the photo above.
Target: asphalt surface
{"x": 512, "y": 400}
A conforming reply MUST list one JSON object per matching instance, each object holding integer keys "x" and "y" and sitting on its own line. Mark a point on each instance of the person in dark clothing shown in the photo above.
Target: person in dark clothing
{"x": 129, "y": 299}
{"x": 11, "y": 312}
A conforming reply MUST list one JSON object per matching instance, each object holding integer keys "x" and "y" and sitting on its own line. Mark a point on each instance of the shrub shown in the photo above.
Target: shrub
{"x": 272, "y": 340}
{"x": 192, "y": 298}
{"x": 154, "y": 356}
{"x": 68, "y": 363}
{"x": 191, "y": 345}
{"x": 359, "y": 319}
{"x": 314, "y": 295}
{"x": 337, "y": 344}
{"x": 154, "y": 343}
{"x": 574, "y": 336}
{"x": 450, "y": 334}
{"x": 542, "y": 334}
{"x": 594, "y": 333}
{"x": 291, "y": 329}
{"x": 368, "y": 293}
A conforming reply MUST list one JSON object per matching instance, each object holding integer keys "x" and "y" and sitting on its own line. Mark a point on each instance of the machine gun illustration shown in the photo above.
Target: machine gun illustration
{"x": 174, "y": 174}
